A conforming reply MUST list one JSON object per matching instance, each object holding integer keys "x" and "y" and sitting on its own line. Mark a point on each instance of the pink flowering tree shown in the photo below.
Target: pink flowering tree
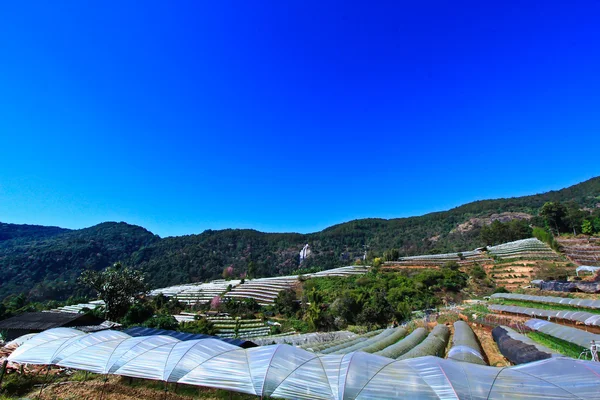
{"x": 215, "y": 303}
{"x": 228, "y": 272}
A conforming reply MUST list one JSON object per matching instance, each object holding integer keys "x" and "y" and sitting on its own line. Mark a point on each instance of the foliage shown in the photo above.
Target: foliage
{"x": 200, "y": 325}
{"x": 501, "y": 232}
{"x": 478, "y": 272}
{"x": 563, "y": 347}
{"x": 501, "y": 289}
{"x": 376, "y": 300}
{"x": 117, "y": 286}
{"x": 546, "y": 236}
{"x": 162, "y": 321}
{"x": 44, "y": 262}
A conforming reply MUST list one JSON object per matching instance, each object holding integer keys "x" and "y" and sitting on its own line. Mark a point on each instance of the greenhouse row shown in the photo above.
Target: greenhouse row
{"x": 566, "y": 333}
{"x": 584, "y": 303}
{"x": 465, "y": 346}
{"x": 582, "y": 317}
{"x": 282, "y": 371}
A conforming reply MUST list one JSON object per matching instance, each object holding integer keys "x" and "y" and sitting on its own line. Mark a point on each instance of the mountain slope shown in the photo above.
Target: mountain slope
{"x": 45, "y": 261}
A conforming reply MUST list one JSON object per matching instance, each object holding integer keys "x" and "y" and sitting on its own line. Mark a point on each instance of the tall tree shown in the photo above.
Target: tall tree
{"x": 118, "y": 286}
{"x": 554, "y": 214}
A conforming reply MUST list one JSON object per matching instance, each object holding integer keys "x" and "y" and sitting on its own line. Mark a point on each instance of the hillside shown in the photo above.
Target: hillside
{"x": 44, "y": 261}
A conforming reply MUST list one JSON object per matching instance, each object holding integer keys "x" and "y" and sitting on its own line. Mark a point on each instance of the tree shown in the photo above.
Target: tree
{"x": 391, "y": 255}
{"x": 587, "y": 227}
{"x": 118, "y": 286}
{"x": 553, "y": 214}
{"x": 285, "y": 303}
{"x": 162, "y": 321}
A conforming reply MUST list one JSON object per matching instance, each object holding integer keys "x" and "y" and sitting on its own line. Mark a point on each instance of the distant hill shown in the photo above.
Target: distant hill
{"x": 45, "y": 261}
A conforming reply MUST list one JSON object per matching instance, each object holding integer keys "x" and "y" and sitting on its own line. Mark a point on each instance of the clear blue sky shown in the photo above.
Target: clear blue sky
{"x": 289, "y": 116}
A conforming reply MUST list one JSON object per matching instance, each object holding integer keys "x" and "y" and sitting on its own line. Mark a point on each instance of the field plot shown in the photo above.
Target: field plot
{"x": 577, "y": 317}
{"x": 582, "y": 251}
{"x": 530, "y": 249}
{"x": 228, "y": 327}
{"x": 576, "y": 302}
{"x": 518, "y": 348}
{"x": 568, "y": 334}
{"x": 196, "y": 293}
{"x": 468, "y": 258}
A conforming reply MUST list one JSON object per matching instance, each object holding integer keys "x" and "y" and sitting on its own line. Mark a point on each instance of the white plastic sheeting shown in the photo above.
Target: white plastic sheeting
{"x": 282, "y": 371}
{"x": 583, "y": 317}
{"x": 566, "y": 333}
{"x": 583, "y": 303}
{"x": 587, "y": 268}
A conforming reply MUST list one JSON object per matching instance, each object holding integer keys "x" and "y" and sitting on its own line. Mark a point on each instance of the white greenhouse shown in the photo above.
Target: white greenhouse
{"x": 288, "y": 372}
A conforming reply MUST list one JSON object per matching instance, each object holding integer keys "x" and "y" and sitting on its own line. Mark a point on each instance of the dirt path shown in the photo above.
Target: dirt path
{"x": 484, "y": 334}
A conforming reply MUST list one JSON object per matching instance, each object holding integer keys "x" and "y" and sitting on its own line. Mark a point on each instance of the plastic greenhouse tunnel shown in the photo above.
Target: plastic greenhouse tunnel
{"x": 433, "y": 345}
{"x": 465, "y": 346}
{"x": 287, "y": 372}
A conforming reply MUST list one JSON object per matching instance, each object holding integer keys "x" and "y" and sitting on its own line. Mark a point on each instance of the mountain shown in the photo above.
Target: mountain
{"x": 45, "y": 261}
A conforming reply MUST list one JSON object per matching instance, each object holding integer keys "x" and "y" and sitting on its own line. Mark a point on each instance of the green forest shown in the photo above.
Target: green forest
{"x": 44, "y": 262}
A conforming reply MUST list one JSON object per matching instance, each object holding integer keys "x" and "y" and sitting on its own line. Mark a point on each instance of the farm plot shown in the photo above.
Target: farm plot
{"x": 518, "y": 348}
{"x": 228, "y": 327}
{"x": 572, "y": 335}
{"x": 577, "y": 302}
{"x": 577, "y": 317}
{"x": 196, "y": 293}
{"x": 438, "y": 260}
{"x": 532, "y": 249}
{"x": 582, "y": 251}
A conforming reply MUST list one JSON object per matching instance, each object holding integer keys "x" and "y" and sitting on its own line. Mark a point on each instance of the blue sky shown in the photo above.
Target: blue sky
{"x": 289, "y": 116}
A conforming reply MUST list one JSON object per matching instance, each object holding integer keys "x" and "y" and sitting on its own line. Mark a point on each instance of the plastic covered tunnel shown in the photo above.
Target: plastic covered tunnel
{"x": 284, "y": 371}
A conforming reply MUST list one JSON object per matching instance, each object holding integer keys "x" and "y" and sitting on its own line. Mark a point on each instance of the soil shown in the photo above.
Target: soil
{"x": 118, "y": 388}
{"x": 494, "y": 357}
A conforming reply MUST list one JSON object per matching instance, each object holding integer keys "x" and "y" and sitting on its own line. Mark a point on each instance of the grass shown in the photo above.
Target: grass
{"x": 561, "y": 346}
{"x": 544, "y": 306}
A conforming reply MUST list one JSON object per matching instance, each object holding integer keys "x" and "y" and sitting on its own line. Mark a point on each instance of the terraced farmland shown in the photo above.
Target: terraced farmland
{"x": 576, "y": 317}
{"x": 228, "y": 327}
{"x": 582, "y": 251}
{"x": 564, "y": 301}
{"x": 525, "y": 249}
{"x": 263, "y": 290}
{"x": 196, "y": 293}
{"x": 467, "y": 258}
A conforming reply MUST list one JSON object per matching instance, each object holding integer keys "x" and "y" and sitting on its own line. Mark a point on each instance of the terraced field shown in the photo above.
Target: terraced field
{"x": 263, "y": 290}
{"x": 468, "y": 258}
{"x": 582, "y": 251}
{"x": 525, "y": 249}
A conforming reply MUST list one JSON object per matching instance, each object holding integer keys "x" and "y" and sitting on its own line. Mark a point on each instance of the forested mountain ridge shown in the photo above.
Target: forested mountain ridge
{"x": 45, "y": 261}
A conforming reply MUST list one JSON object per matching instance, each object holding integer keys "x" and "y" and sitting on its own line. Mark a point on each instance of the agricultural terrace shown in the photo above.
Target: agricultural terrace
{"x": 582, "y": 251}
{"x": 263, "y": 290}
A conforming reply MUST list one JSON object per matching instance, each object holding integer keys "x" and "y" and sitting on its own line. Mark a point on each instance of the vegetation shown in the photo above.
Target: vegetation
{"x": 556, "y": 307}
{"x": 374, "y": 299}
{"x": 118, "y": 286}
{"x": 44, "y": 262}
{"x": 502, "y": 232}
{"x": 561, "y": 346}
